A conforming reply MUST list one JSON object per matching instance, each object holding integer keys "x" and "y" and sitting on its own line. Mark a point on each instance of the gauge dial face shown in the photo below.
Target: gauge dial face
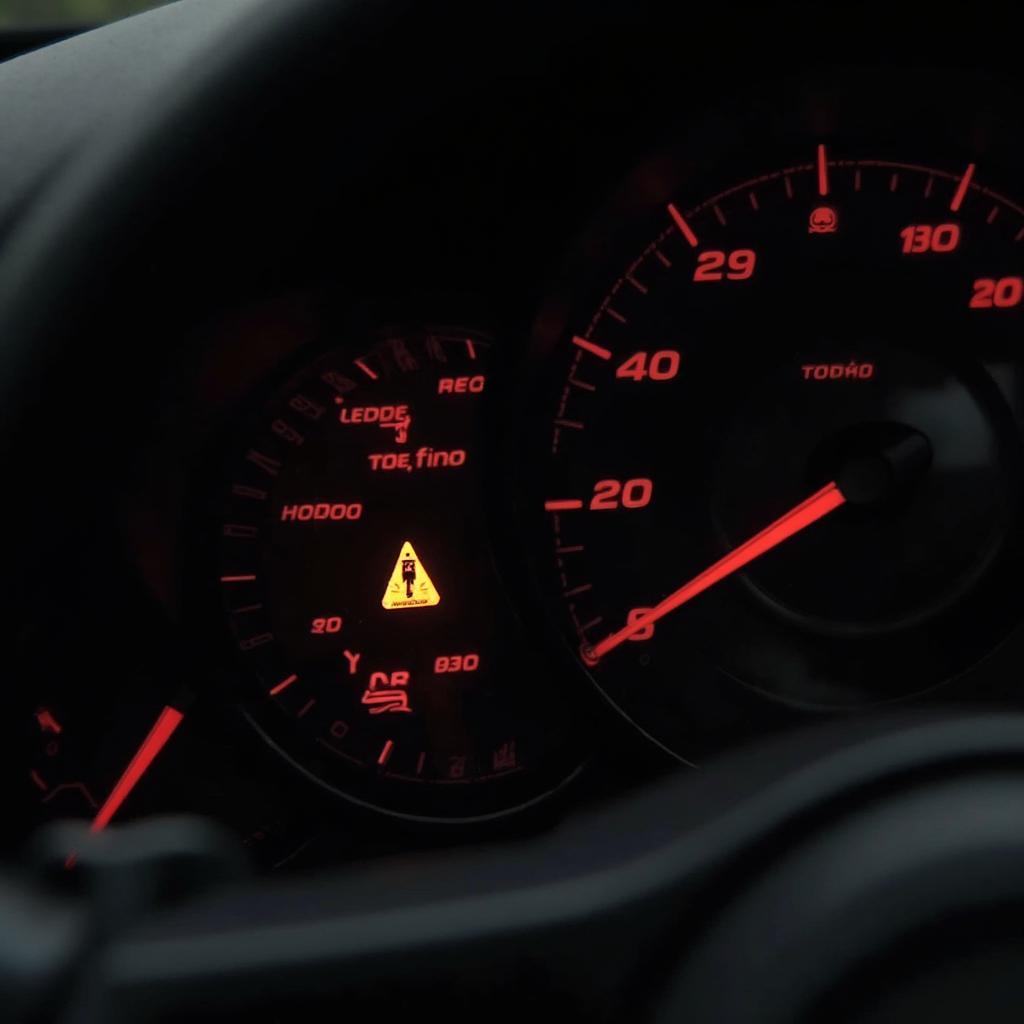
{"x": 782, "y": 452}
{"x": 364, "y": 595}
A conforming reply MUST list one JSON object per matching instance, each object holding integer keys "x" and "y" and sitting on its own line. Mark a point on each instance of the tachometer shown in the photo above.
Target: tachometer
{"x": 782, "y": 452}
{"x": 364, "y": 594}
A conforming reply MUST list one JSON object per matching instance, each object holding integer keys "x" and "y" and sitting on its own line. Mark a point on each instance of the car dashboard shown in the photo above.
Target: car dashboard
{"x": 391, "y": 493}
{"x": 478, "y": 420}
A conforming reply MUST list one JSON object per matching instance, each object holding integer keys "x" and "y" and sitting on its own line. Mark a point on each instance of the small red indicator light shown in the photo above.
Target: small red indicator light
{"x": 823, "y": 221}
{"x": 47, "y": 722}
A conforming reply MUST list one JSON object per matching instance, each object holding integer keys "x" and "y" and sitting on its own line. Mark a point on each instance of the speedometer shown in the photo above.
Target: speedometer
{"x": 782, "y": 450}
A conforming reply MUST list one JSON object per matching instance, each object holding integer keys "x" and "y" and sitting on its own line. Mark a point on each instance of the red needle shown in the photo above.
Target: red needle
{"x": 169, "y": 720}
{"x": 828, "y": 499}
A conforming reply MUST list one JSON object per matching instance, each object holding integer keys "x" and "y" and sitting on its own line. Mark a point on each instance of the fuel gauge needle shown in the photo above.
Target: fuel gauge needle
{"x": 163, "y": 729}
{"x": 809, "y": 511}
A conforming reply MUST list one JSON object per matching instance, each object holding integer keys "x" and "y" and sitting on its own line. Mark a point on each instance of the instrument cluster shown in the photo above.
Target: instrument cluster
{"x": 747, "y": 453}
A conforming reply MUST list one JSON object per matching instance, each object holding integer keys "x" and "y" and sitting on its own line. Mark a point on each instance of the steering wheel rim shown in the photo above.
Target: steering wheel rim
{"x": 650, "y": 908}
{"x": 48, "y": 265}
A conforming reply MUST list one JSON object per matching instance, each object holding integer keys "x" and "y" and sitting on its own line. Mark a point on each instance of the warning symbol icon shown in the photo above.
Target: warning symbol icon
{"x": 409, "y": 586}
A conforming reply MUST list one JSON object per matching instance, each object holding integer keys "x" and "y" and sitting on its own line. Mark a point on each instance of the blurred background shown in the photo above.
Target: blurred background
{"x": 39, "y": 13}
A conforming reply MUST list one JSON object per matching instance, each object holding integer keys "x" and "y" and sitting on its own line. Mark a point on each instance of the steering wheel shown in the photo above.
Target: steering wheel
{"x": 855, "y": 873}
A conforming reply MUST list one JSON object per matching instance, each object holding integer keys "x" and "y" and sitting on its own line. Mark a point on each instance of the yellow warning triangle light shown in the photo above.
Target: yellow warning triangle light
{"x": 409, "y": 586}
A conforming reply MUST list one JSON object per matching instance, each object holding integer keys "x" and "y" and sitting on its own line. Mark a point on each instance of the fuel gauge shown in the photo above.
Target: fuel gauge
{"x": 108, "y": 761}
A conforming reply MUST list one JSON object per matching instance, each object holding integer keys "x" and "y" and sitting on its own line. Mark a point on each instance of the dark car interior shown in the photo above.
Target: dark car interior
{"x": 513, "y": 511}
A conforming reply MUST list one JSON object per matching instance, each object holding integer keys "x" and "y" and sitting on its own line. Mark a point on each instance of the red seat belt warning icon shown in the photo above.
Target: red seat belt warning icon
{"x": 409, "y": 586}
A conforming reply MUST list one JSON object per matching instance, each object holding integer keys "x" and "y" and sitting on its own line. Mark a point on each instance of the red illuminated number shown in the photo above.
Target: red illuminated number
{"x": 646, "y": 632}
{"x": 738, "y": 265}
{"x": 327, "y": 624}
{"x": 1003, "y": 293}
{"x": 606, "y": 494}
{"x": 709, "y": 266}
{"x": 927, "y": 238}
{"x": 456, "y": 663}
{"x": 663, "y": 365}
{"x": 613, "y": 494}
{"x": 741, "y": 264}
{"x": 637, "y": 493}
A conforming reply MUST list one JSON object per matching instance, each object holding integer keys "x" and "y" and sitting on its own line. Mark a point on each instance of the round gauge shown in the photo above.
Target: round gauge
{"x": 364, "y": 594}
{"x": 134, "y": 740}
{"x": 782, "y": 452}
